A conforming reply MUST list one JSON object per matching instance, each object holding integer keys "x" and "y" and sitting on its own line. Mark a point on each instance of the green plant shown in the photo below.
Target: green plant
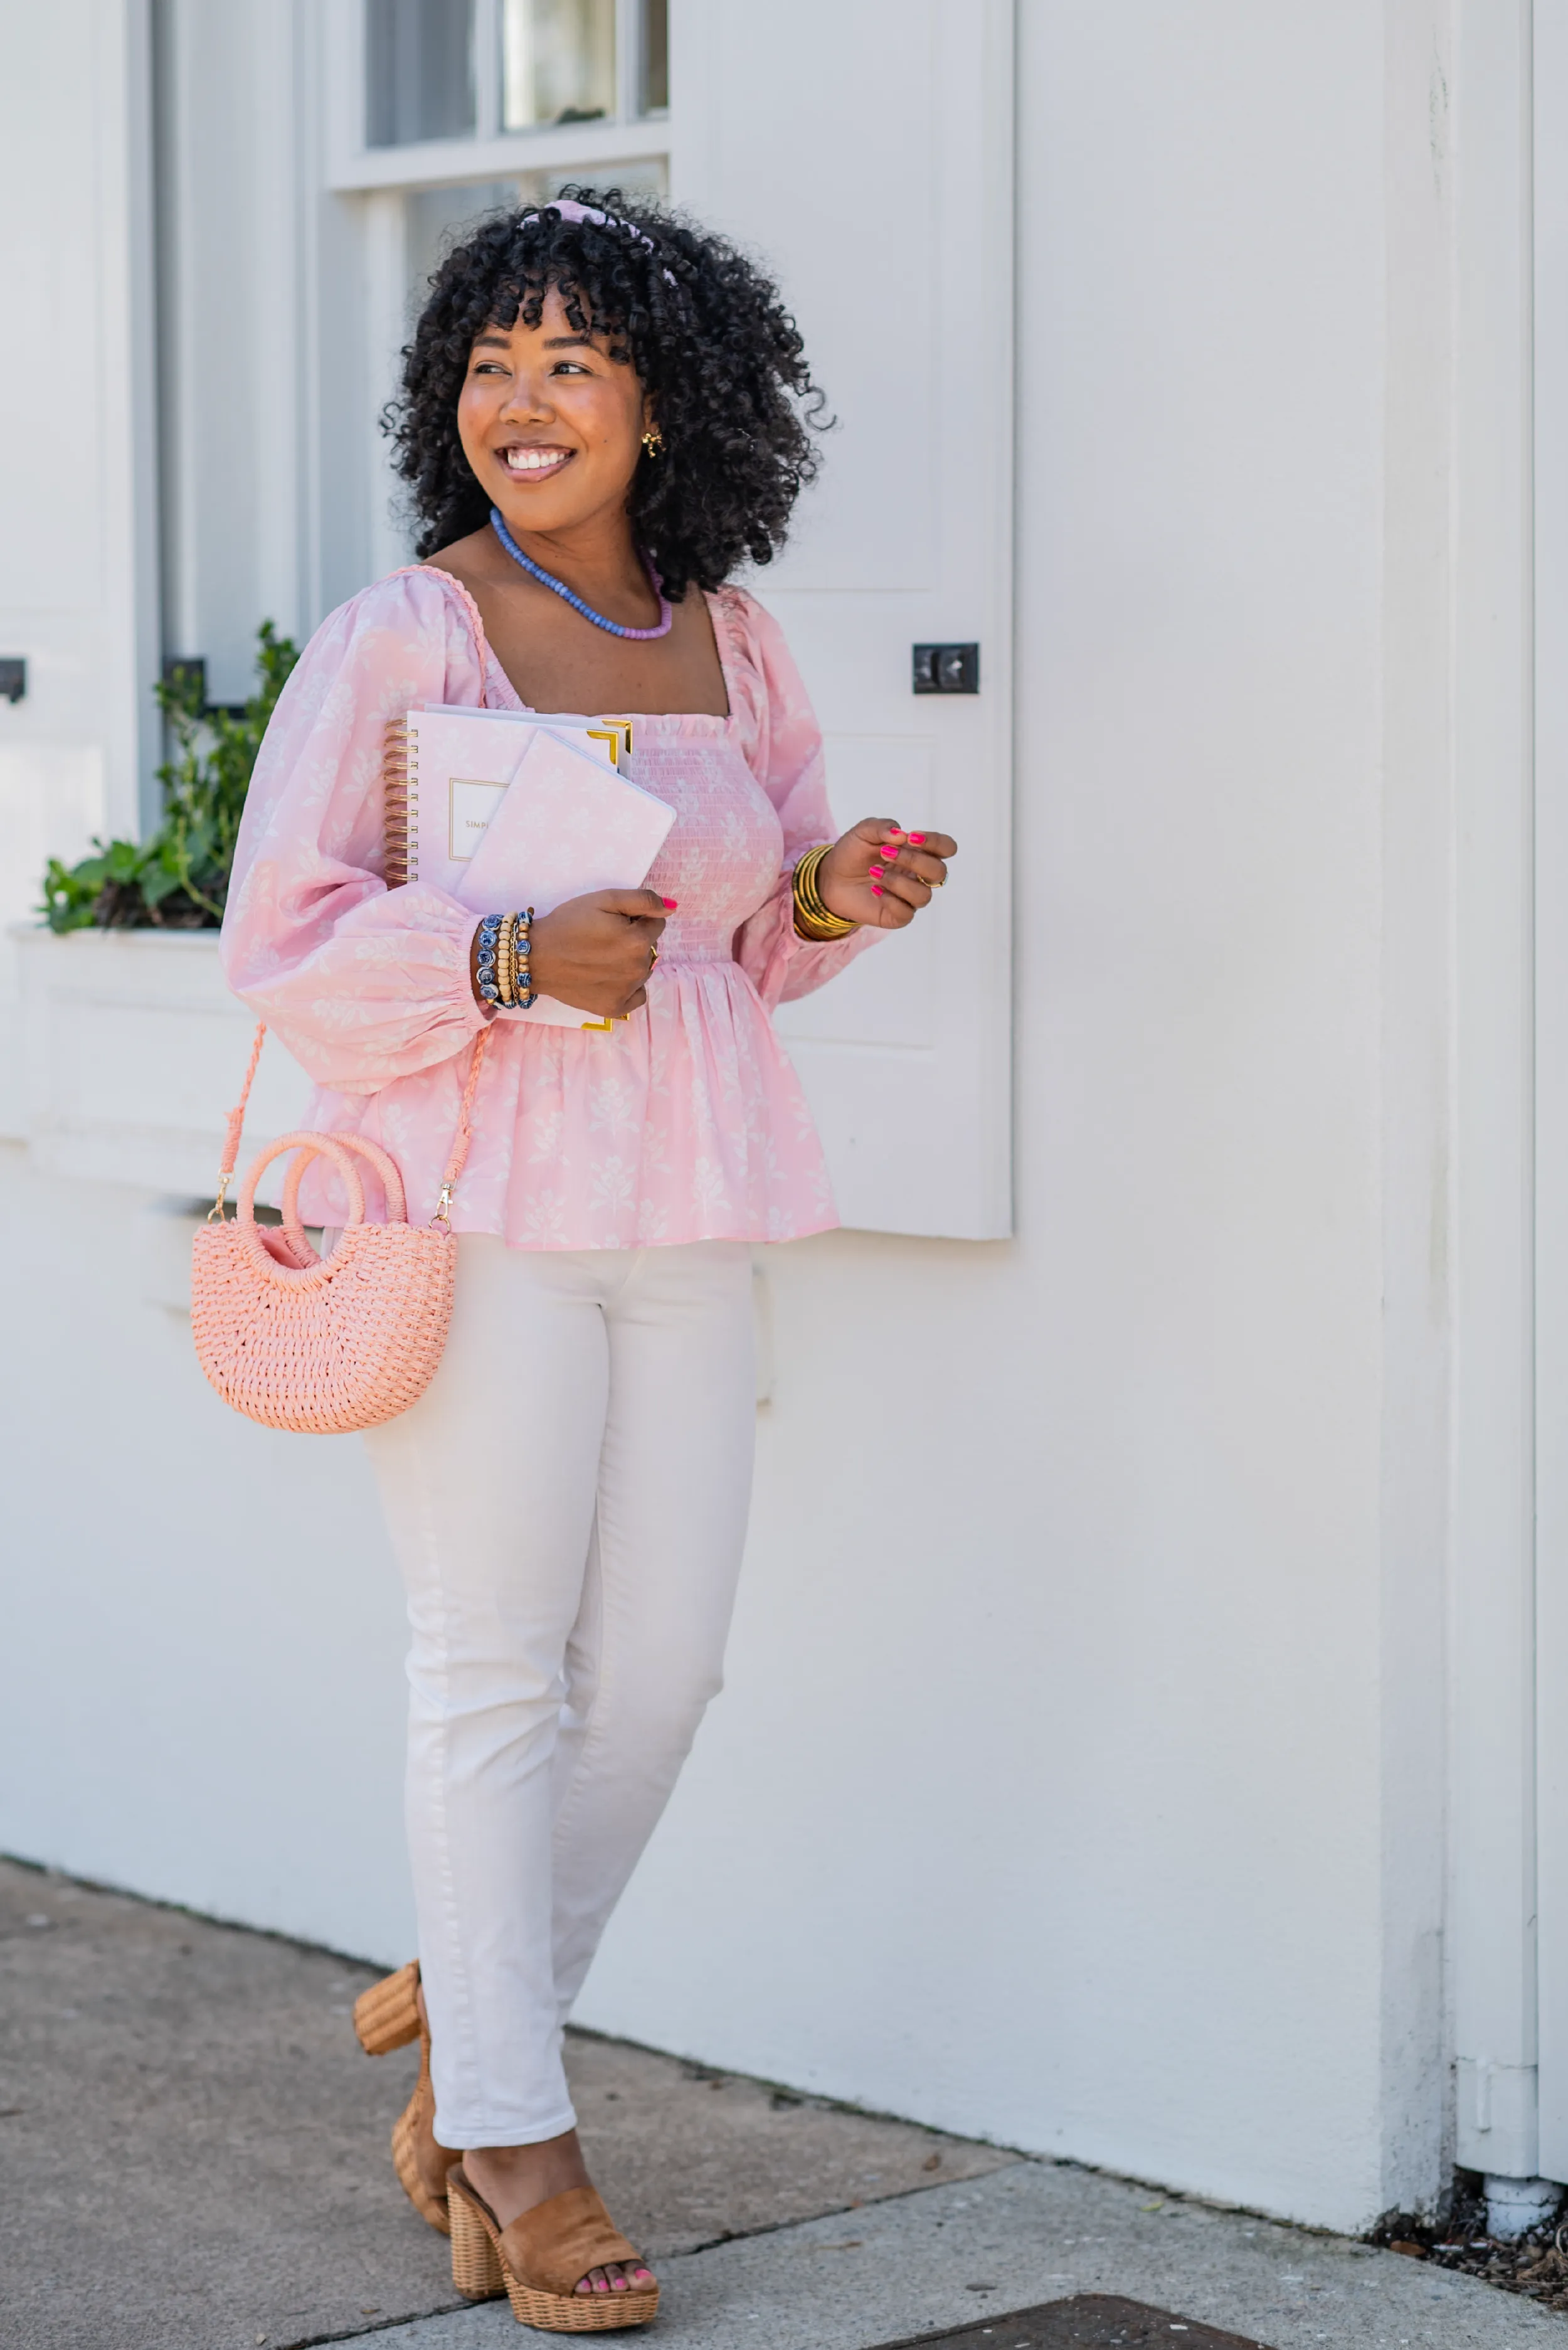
{"x": 179, "y": 879}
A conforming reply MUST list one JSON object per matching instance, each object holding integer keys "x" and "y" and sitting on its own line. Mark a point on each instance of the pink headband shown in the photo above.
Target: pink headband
{"x": 571, "y": 210}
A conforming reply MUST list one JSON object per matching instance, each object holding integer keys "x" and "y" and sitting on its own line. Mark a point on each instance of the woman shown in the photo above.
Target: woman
{"x": 602, "y": 411}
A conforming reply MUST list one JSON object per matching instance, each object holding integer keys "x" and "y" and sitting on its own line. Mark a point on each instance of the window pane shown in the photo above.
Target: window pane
{"x": 418, "y": 71}
{"x": 558, "y": 61}
{"x": 435, "y": 219}
{"x": 653, "y": 76}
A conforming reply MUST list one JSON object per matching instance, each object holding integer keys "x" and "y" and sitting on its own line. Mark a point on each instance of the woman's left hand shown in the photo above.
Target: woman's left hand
{"x": 881, "y": 876}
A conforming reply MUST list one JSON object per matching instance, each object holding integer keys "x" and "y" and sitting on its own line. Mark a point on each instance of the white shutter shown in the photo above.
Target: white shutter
{"x": 864, "y": 148}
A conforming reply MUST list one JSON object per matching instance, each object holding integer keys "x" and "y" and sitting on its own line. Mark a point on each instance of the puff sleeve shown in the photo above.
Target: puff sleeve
{"x": 363, "y": 984}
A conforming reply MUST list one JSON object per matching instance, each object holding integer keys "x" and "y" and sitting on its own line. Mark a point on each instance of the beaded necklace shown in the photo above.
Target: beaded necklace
{"x": 614, "y": 627}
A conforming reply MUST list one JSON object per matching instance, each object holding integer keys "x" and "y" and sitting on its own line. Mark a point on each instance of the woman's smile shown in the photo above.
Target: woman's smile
{"x": 528, "y": 461}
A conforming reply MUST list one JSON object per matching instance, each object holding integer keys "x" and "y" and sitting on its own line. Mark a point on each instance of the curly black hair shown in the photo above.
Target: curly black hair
{"x": 708, "y": 336}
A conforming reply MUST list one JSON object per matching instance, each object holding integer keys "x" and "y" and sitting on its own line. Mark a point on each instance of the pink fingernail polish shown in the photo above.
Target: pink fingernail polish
{"x": 918, "y": 838}
{"x": 888, "y": 856}
{"x": 877, "y": 889}
{"x": 670, "y": 904}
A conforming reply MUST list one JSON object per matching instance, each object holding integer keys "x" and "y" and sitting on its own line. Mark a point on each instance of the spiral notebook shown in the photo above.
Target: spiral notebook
{"x": 445, "y": 769}
{"x": 500, "y": 809}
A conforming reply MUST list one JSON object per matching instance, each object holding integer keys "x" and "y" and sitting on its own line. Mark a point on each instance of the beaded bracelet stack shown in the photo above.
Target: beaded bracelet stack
{"x": 505, "y": 947}
{"x": 812, "y": 917}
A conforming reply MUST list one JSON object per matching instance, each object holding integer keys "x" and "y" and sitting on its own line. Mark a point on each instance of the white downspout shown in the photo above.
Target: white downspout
{"x": 1550, "y": 78}
{"x": 1494, "y": 1782}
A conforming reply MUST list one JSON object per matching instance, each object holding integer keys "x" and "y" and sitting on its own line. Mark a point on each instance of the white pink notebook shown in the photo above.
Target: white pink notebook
{"x": 445, "y": 769}
{"x": 501, "y": 810}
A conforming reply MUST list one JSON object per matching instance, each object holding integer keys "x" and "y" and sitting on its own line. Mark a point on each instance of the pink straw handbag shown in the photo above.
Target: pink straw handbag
{"x": 324, "y": 1345}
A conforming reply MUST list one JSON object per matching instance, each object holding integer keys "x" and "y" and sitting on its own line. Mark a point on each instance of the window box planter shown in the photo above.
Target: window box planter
{"x": 133, "y": 1050}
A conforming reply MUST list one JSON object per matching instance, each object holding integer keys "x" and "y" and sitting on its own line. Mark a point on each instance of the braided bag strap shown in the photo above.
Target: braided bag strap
{"x": 455, "y": 1164}
{"x": 464, "y": 1135}
{"x": 235, "y": 1126}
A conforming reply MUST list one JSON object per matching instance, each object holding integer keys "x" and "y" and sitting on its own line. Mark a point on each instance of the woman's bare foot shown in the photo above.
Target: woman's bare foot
{"x": 513, "y": 2179}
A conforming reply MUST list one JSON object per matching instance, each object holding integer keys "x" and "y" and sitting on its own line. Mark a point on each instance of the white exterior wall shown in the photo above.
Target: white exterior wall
{"x": 1065, "y": 1780}
{"x": 1081, "y": 1777}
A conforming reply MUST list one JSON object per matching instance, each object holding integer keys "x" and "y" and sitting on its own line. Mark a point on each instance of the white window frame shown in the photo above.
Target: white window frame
{"x": 593, "y": 149}
{"x": 381, "y": 177}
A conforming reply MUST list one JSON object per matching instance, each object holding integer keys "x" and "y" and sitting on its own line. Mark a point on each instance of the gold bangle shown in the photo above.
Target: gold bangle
{"x": 813, "y": 918}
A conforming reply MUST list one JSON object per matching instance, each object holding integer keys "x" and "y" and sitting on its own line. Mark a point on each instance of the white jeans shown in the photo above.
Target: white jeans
{"x": 568, "y": 1503}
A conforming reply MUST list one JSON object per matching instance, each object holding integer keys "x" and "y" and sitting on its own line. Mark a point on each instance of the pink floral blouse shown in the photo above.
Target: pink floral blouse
{"x": 686, "y": 1122}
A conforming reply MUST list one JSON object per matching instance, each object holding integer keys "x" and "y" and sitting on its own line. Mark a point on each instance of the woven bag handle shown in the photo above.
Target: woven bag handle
{"x": 307, "y": 1145}
{"x": 454, "y": 1165}
{"x": 293, "y": 1233}
{"x": 374, "y": 1156}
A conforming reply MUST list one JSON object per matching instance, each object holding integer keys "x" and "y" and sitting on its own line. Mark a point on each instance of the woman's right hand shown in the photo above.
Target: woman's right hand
{"x": 596, "y": 952}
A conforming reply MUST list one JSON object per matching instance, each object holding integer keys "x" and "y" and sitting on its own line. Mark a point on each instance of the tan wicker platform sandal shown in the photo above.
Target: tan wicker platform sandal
{"x": 539, "y": 2261}
{"x": 386, "y": 2016}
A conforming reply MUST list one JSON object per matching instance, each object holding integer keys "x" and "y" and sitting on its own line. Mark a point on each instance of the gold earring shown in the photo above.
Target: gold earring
{"x": 653, "y": 440}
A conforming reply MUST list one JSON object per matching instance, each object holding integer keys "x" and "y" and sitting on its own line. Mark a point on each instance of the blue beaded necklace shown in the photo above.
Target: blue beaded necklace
{"x": 614, "y": 627}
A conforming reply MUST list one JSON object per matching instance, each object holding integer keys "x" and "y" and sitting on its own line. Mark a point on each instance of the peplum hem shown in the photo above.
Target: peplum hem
{"x": 686, "y": 1122}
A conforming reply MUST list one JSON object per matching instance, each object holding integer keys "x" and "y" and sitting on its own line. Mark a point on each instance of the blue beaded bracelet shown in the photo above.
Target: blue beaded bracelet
{"x": 485, "y": 962}
{"x": 490, "y": 929}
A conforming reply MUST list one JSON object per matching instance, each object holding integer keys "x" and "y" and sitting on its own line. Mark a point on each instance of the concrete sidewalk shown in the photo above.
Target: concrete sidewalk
{"x": 1039, "y": 2231}
{"x": 193, "y": 2156}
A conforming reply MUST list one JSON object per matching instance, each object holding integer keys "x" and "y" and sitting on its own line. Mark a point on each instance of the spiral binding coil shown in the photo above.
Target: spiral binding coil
{"x": 401, "y": 784}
